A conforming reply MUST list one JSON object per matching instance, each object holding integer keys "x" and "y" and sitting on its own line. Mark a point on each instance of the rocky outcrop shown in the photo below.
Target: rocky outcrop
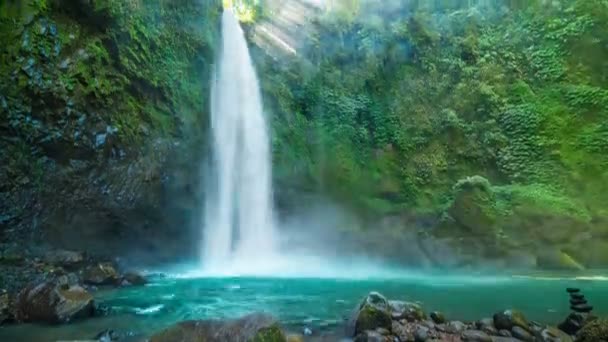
{"x": 54, "y": 301}
{"x": 374, "y": 312}
{"x": 5, "y": 314}
{"x": 251, "y": 328}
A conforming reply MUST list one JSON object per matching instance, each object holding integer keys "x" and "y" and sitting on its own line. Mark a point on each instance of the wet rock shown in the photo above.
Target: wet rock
{"x": 307, "y": 331}
{"x": 594, "y": 331}
{"x": 438, "y": 317}
{"x": 573, "y": 290}
{"x": 372, "y": 313}
{"x": 64, "y": 258}
{"x": 577, "y": 295}
{"x": 134, "y": 278}
{"x": 255, "y": 327}
{"x": 510, "y": 318}
{"x": 406, "y": 310}
{"x": 53, "y": 302}
{"x": 521, "y": 334}
{"x": 475, "y": 336}
{"x": 100, "y": 274}
{"x": 551, "y": 334}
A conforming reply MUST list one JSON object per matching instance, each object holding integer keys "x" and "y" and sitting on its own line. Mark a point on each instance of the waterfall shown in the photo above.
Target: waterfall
{"x": 239, "y": 233}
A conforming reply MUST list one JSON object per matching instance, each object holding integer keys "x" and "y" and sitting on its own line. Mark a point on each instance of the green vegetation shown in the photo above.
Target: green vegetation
{"x": 390, "y": 107}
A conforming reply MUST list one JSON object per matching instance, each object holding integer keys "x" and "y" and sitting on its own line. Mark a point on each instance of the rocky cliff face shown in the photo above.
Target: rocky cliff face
{"x": 102, "y": 107}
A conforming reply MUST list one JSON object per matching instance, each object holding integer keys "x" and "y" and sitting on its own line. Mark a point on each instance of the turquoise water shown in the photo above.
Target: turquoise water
{"x": 321, "y": 304}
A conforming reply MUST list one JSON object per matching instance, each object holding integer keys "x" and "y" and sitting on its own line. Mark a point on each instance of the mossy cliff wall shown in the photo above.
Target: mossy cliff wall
{"x": 102, "y": 105}
{"x": 393, "y": 106}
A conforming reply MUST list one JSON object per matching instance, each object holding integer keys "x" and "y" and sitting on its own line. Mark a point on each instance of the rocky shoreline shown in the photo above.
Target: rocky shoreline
{"x": 57, "y": 287}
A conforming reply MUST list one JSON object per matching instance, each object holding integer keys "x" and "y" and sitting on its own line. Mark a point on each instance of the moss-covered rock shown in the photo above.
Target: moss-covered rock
{"x": 100, "y": 274}
{"x": 595, "y": 331}
{"x": 373, "y": 312}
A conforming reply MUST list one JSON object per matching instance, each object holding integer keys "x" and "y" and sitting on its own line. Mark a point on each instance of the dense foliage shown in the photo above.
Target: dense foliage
{"x": 388, "y": 106}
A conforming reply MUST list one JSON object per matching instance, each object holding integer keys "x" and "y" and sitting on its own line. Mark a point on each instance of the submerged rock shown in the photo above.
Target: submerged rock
{"x": 53, "y": 302}
{"x": 251, "y": 328}
{"x": 573, "y": 323}
{"x": 372, "y": 313}
{"x": 100, "y": 274}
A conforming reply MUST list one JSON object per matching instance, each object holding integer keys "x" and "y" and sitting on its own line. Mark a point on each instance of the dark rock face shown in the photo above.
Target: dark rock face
{"x": 53, "y": 302}
{"x": 374, "y": 312}
{"x": 251, "y": 328}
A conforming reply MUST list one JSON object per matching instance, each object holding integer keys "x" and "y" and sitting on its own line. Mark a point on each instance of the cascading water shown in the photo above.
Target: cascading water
{"x": 239, "y": 234}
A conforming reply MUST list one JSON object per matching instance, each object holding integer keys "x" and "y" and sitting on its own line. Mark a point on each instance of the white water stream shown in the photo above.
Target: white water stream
{"x": 239, "y": 232}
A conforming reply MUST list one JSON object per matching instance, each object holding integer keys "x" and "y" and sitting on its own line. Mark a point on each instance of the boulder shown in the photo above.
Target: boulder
{"x": 510, "y": 318}
{"x": 595, "y": 331}
{"x": 251, "y": 328}
{"x": 64, "y": 258}
{"x": 100, "y": 274}
{"x": 53, "y": 302}
{"x": 406, "y": 310}
{"x": 373, "y": 312}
